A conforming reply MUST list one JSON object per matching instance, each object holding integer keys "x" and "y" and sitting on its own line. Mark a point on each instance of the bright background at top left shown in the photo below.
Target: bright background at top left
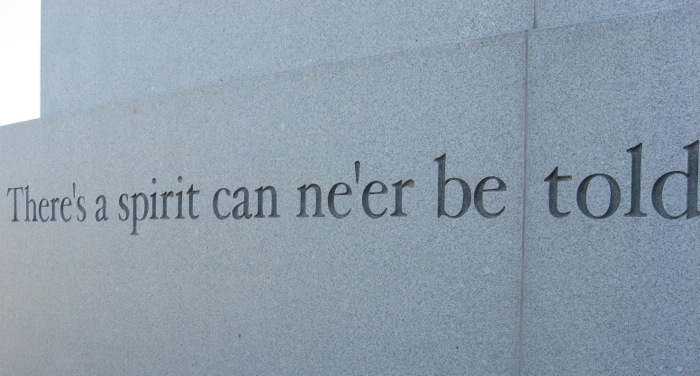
{"x": 20, "y": 45}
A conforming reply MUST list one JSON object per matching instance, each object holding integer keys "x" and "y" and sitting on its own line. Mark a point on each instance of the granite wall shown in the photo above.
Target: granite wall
{"x": 353, "y": 188}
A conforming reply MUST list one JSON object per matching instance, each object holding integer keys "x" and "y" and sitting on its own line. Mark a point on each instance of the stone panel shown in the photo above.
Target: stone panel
{"x": 615, "y": 295}
{"x": 102, "y": 52}
{"x": 415, "y": 294}
{"x": 551, "y": 13}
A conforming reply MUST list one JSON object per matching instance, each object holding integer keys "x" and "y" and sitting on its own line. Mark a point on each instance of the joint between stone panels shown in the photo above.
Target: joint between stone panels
{"x": 534, "y": 14}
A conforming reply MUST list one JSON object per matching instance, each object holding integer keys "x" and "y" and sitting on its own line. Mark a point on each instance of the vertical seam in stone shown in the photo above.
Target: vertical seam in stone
{"x": 534, "y": 15}
{"x": 521, "y": 332}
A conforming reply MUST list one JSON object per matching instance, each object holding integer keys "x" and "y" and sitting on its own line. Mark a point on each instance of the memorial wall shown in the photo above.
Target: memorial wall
{"x": 408, "y": 187}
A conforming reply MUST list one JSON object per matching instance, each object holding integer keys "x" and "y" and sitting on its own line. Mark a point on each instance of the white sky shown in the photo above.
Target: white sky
{"x": 20, "y": 30}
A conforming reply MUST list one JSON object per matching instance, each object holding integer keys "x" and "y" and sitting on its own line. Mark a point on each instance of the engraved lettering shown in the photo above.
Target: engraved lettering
{"x": 302, "y": 200}
{"x": 365, "y": 198}
{"x": 215, "y": 203}
{"x": 636, "y": 186}
{"x": 582, "y": 196}
{"x": 398, "y": 196}
{"x": 442, "y": 183}
{"x": 331, "y": 199}
{"x": 479, "y": 194}
{"x": 692, "y": 187}
{"x": 553, "y": 179}
{"x": 101, "y": 213}
{"x": 273, "y": 201}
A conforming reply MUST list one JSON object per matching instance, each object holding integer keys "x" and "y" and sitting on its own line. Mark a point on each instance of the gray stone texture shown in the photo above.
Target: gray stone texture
{"x": 617, "y": 295}
{"x": 551, "y": 13}
{"x": 101, "y": 52}
{"x": 394, "y": 295}
{"x": 233, "y": 94}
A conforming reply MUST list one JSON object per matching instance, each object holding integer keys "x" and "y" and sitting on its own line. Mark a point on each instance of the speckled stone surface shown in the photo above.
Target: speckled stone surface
{"x": 552, "y": 13}
{"x": 394, "y": 295}
{"x": 616, "y": 295}
{"x": 103, "y": 52}
{"x": 599, "y": 99}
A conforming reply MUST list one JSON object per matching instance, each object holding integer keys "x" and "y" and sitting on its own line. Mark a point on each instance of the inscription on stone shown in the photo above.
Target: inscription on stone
{"x": 242, "y": 202}
{"x": 657, "y": 196}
